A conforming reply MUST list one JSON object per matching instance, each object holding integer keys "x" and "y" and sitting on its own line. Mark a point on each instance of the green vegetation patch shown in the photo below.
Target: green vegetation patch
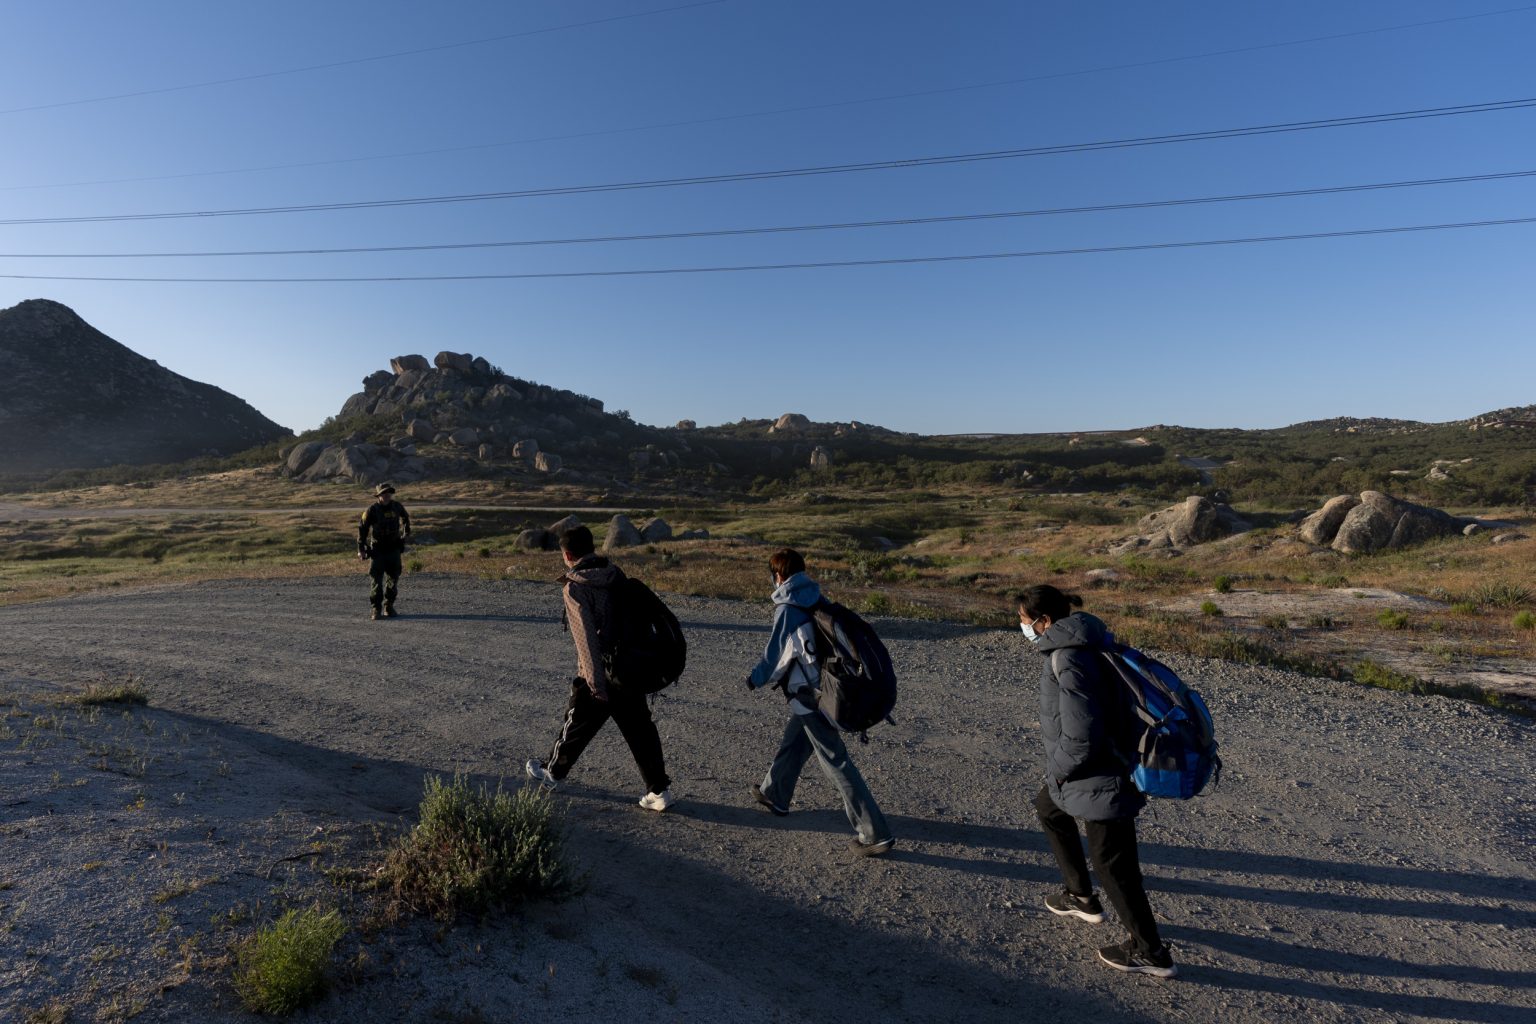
{"x": 282, "y": 967}
{"x": 476, "y": 850}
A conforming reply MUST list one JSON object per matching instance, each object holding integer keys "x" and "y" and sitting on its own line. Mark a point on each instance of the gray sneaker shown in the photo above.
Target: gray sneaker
{"x": 537, "y": 772}
{"x": 1125, "y": 957}
{"x": 877, "y": 849}
{"x": 1084, "y": 908}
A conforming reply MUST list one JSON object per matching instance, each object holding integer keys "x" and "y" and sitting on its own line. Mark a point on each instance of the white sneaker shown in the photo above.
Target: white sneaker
{"x": 658, "y": 801}
{"x": 537, "y": 773}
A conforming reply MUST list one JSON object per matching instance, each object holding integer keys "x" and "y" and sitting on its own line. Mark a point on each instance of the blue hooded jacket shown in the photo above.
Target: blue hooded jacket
{"x": 789, "y": 656}
{"x": 1083, "y": 771}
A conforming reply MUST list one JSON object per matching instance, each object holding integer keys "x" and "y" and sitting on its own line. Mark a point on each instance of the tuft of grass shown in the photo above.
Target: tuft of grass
{"x": 415, "y": 565}
{"x": 1503, "y": 594}
{"x": 1525, "y": 620}
{"x": 1210, "y": 609}
{"x": 1277, "y": 622}
{"x": 1392, "y": 618}
{"x": 1334, "y": 581}
{"x": 1223, "y": 584}
{"x": 56, "y": 1011}
{"x": 282, "y": 967}
{"x": 877, "y": 604}
{"x": 1464, "y": 608}
{"x": 128, "y": 692}
{"x": 476, "y": 850}
{"x": 1322, "y": 623}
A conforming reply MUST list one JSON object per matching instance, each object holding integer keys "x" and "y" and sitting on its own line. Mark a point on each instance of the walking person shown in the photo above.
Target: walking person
{"x": 789, "y": 662}
{"x": 390, "y": 525}
{"x": 1087, "y": 779}
{"x": 595, "y": 696}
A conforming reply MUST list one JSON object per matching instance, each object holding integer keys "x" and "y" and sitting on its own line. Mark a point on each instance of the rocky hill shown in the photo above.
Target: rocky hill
{"x": 71, "y": 397}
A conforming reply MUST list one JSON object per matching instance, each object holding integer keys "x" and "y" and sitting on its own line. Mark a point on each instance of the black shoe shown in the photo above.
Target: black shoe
{"x": 389, "y": 611}
{"x": 757, "y": 794}
{"x": 1067, "y": 904}
{"x": 1125, "y": 957}
{"x": 876, "y": 849}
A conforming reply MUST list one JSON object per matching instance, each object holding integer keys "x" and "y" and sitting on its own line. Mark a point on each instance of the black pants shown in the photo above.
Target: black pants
{"x": 585, "y": 715}
{"x": 1112, "y": 845}
{"x": 385, "y": 565}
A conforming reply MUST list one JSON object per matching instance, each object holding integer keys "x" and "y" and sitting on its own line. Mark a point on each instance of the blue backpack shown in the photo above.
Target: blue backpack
{"x": 1169, "y": 740}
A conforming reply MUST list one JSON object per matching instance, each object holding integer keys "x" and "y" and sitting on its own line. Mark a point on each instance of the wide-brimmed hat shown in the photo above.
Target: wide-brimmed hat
{"x": 384, "y": 488}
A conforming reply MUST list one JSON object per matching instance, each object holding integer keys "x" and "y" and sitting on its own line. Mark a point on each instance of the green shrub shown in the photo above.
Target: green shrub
{"x": 415, "y": 565}
{"x": 1210, "y": 609}
{"x": 1525, "y": 620}
{"x": 123, "y": 693}
{"x": 485, "y": 552}
{"x": 1334, "y": 581}
{"x": 1464, "y": 608}
{"x": 1503, "y": 595}
{"x": 1322, "y": 623}
{"x": 1391, "y": 618}
{"x": 477, "y": 850}
{"x": 282, "y": 967}
{"x": 1372, "y": 673}
{"x": 877, "y": 604}
{"x": 1223, "y": 584}
{"x": 1277, "y": 622}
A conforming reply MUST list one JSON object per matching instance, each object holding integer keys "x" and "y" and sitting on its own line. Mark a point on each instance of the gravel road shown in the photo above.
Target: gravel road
{"x": 1366, "y": 857}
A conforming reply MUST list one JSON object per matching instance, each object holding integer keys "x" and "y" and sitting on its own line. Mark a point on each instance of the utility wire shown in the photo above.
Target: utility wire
{"x": 992, "y": 84}
{"x": 895, "y": 261}
{"x": 365, "y": 60}
{"x": 787, "y": 229}
{"x": 800, "y": 172}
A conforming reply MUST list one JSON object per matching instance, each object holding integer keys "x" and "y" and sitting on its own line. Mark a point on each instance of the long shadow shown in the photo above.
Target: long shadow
{"x": 541, "y": 620}
{"x": 701, "y": 911}
{"x": 1398, "y": 1005}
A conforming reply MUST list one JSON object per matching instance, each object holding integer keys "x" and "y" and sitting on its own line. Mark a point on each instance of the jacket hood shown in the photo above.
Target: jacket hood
{"x": 1076, "y": 630}
{"x": 594, "y": 571}
{"x": 799, "y": 590}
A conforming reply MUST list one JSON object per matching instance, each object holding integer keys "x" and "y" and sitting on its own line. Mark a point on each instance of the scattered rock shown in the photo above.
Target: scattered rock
{"x": 461, "y": 362}
{"x": 1506, "y": 538}
{"x": 621, "y": 534}
{"x": 1376, "y": 521}
{"x": 405, "y": 364}
{"x": 687, "y": 425}
{"x": 1098, "y": 577}
{"x": 486, "y": 452}
{"x": 820, "y": 458}
{"x": 656, "y": 530}
{"x": 526, "y": 449}
{"x": 536, "y": 540}
{"x": 545, "y": 462}
{"x": 698, "y": 534}
{"x": 421, "y": 430}
{"x": 465, "y": 437}
{"x": 790, "y": 421}
{"x": 570, "y": 522}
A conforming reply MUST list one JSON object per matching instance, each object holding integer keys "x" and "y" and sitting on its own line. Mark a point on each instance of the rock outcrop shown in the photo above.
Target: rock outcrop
{"x": 621, "y": 534}
{"x": 1375, "y": 521}
{"x": 71, "y": 397}
{"x": 1195, "y": 520}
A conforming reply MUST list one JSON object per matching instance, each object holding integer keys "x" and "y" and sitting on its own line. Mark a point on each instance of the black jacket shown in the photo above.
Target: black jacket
{"x": 1078, "y": 721}
{"x": 390, "y": 525}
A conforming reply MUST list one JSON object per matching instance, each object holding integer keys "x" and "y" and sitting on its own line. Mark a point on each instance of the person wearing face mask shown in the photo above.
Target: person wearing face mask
{"x": 1086, "y": 778}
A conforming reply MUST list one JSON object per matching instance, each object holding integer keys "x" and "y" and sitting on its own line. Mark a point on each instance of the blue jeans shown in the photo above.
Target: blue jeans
{"x": 807, "y": 734}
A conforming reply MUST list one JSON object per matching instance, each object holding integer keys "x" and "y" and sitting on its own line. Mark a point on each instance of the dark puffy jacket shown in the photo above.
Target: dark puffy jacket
{"x": 1084, "y": 775}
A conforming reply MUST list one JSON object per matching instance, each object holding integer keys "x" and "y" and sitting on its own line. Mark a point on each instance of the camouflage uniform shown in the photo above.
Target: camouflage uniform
{"x": 390, "y": 525}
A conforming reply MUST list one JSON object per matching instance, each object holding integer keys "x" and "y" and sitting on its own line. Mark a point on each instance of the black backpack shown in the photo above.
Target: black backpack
{"x": 649, "y": 650}
{"x": 858, "y": 684}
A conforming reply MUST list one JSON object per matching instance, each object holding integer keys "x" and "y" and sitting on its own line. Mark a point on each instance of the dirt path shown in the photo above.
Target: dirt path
{"x": 1366, "y": 857}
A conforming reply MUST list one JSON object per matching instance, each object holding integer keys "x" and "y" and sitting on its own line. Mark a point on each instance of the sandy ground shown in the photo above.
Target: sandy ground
{"x": 1366, "y": 857}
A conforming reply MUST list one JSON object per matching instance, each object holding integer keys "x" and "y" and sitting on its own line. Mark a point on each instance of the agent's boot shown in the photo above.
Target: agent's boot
{"x": 377, "y": 615}
{"x": 389, "y": 610}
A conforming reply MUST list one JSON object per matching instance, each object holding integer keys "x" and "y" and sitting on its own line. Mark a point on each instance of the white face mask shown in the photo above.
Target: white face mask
{"x": 1028, "y": 629}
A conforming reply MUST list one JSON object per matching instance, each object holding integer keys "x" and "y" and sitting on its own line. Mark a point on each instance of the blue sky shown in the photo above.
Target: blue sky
{"x": 1433, "y": 325}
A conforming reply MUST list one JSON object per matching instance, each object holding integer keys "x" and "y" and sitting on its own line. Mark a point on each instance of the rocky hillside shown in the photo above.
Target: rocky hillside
{"x": 71, "y": 397}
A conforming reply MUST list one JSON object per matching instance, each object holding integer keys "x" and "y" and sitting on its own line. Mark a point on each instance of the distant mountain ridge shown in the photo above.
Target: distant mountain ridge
{"x": 72, "y": 398}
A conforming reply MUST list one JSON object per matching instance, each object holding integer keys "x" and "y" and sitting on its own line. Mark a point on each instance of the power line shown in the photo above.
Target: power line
{"x": 895, "y": 261}
{"x": 799, "y": 172}
{"x": 692, "y": 122}
{"x": 365, "y": 60}
{"x": 792, "y": 228}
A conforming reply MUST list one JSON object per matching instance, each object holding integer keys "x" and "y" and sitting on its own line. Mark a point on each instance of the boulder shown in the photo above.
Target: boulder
{"x": 480, "y": 365}
{"x": 698, "y": 534}
{"x": 1365, "y": 528}
{"x": 526, "y": 449}
{"x": 1100, "y": 577}
{"x": 465, "y": 437}
{"x": 621, "y": 534}
{"x": 656, "y": 530}
{"x": 440, "y": 437}
{"x": 546, "y": 462}
{"x": 790, "y": 421}
{"x": 1319, "y": 527}
{"x": 421, "y": 430}
{"x": 687, "y": 425}
{"x": 534, "y": 540}
{"x": 1417, "y": 525}
{"x": 1196, "y": 520}
{"x": 405, "y": 364}
{"x": 1471, "y": 528}
{"x": 342, "y": 462}
{"x": 1436, "y": 473}
{"x": 820, "y": 458}
{"x": 402, "y": 442}
{"x": 359, "y": 404}
{"x": 304, "y": 455}
{"x": 1508, "y": 538}
{"x": 570, "y": 522}
{"x": 459, "y": 362}
{"x": 378, "y": 381}
{"x": 486, "y": 452}
{"x": 503, "y": 393}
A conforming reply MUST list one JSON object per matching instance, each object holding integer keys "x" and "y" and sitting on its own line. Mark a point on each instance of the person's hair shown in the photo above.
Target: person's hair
{"x": 1045, "y": 599}
{"x": 786, "y": 562}
{"x": 577, "y": 541}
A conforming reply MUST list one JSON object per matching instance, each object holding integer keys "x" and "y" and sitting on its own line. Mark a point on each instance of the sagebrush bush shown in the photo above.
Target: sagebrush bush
{"x": 477, "y": 850}
{"x": 1391, "y": 618}
{"x": 1223, "y": 584}
{"x": 282, "y": 967}
{"x": 1210, "y": 608}
{"x": 1525, "y": 620}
